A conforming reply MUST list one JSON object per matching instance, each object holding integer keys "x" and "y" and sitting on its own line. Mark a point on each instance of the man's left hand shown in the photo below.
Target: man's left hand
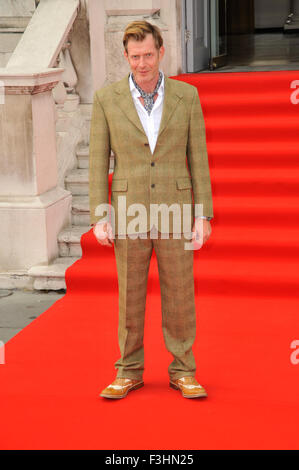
{"x": 201, "y": 232}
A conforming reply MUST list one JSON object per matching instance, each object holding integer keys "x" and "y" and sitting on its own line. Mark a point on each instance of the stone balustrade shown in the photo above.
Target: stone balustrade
{"x": 33, "y": 208}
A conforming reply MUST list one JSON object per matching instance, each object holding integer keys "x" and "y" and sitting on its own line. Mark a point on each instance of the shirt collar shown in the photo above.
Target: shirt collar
{"x": 136, "y": 93}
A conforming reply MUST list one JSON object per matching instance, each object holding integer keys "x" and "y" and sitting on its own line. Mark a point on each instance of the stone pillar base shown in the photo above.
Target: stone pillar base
{"x": 30, "y": 227}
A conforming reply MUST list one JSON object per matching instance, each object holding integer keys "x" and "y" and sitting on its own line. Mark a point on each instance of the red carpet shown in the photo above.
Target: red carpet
{"x": 246, "y": 280}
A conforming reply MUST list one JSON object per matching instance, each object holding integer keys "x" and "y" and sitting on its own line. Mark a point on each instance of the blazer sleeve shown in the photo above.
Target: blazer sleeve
{"x": 99, "y": 157}
{"x": 198, "y": 158}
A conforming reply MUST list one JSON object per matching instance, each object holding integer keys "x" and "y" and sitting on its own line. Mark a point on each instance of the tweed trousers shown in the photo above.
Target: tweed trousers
{"x": 175, "y": 266}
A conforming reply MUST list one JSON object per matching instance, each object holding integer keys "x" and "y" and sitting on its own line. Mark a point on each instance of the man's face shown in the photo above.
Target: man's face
{"x": 144, "y": 59}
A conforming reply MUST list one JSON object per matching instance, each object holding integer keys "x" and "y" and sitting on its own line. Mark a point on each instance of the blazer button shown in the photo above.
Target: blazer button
{"x": 153, "y": 185}
{"x": 153, "y": 164}
{"x": 146, "y": 144}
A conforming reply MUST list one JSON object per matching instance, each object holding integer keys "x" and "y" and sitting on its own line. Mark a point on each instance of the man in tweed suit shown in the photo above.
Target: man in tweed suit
{"x": 155, "y": 128}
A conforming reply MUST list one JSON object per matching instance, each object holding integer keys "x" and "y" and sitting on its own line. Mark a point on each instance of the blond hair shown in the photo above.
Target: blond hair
{"x": 138, "y": 30}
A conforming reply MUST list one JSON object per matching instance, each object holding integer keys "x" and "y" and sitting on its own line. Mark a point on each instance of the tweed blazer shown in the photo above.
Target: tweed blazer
{"x": 176, "y": 173}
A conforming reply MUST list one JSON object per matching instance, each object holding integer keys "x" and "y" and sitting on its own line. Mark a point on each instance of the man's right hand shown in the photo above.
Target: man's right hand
{"x": 103, "y": 233}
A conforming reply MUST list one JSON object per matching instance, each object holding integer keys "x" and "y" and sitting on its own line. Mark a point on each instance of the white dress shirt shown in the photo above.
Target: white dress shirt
{"x": 150, "y": 123}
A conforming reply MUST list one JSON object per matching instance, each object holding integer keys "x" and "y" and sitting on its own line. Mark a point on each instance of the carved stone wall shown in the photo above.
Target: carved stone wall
{"x": 163, "y": 13}
{"x": 117, "y": 65}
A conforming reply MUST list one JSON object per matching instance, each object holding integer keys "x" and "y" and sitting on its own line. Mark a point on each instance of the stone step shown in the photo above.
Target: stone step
{"x": 11, "y": 30}
{"x": 86, "y": 111}
{"x": 80, "y": 211}
{"x": 77, "y": 182}
{"x": 83, "y": 158}
{"x": 69, "y": 241}
{"x": 52, "y": 276}
{"x": 14, "y": 23}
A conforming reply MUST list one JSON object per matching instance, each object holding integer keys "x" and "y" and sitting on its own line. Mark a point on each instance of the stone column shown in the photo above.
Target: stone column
{"x": 33, "y": 209}
{"x": 97, "y": 21}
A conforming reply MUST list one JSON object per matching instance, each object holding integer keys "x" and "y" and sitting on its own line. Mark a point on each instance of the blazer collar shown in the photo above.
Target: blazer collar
{"x": 126, "y": 103}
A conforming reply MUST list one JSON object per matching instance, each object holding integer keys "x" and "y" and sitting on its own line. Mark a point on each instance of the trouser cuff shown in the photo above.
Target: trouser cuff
{"x": 129, "y": 375}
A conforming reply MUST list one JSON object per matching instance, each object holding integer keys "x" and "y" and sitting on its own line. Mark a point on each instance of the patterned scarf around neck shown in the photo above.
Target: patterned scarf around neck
{"x": 148, "y": 97}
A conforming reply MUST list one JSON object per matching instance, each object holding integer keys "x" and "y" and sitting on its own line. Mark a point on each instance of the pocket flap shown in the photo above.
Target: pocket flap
{"x": 119, "y": 185}
{"x": 184, "y": 183}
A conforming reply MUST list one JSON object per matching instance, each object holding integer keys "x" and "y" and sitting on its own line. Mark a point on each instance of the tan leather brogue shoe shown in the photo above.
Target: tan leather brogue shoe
{"x": 189, "y": 387}
{"x": 120, "y": 388}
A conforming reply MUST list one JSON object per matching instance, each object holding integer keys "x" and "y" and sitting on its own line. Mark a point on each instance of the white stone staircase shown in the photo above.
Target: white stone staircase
{"x": 52, "y": 276}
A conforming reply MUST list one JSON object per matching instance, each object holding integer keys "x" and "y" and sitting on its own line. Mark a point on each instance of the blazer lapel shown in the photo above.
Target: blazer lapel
{"x": 171, "y": 99}
{"x": 126, "y": 103}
